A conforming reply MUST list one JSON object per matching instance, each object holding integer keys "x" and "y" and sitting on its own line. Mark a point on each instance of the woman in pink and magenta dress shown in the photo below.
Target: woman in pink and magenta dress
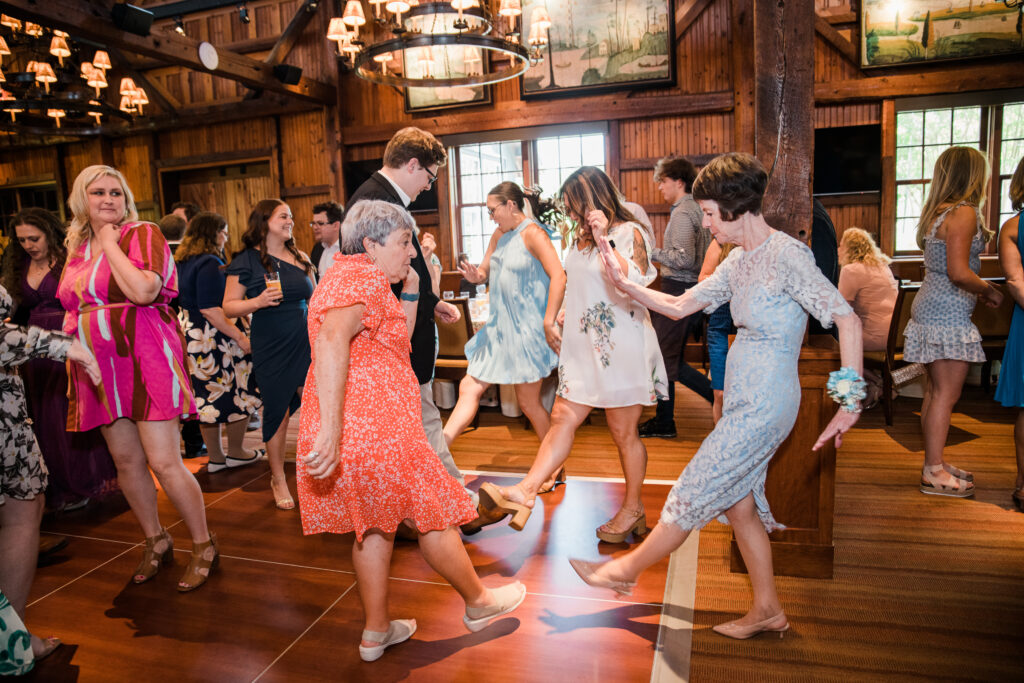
{"x": 116, "y": 286}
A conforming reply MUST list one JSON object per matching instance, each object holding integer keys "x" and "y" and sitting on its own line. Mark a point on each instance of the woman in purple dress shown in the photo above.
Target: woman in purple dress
{"x": 79, "y": 463}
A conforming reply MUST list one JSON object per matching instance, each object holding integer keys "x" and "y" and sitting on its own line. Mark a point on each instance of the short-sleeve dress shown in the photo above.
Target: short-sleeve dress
{"x": 512, "y": 348}
{"x": 222, "y": 376}
{"x": 280, "y": 347}
{"x": 388, "y": 471}
{"x": 771, "y": 288}
{"x": 610, "y": 356}
{"x": 940, "y": 324}
{"x": 1010, "y": 390}
{"x": 140, "y": 349}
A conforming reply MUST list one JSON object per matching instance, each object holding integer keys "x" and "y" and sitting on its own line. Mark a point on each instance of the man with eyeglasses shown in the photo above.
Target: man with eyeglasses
{"x": 326, "y": 227}
{"x": 411, "y": 161}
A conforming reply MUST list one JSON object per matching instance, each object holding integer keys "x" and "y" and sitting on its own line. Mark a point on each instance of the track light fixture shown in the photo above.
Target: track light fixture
{"x": 179, "y": 25}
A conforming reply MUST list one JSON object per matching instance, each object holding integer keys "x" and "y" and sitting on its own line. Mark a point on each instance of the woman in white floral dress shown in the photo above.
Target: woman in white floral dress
{"x": 218, "y": 349}
{"x": 609, "y": 356}
{"x": 772, "y": 283}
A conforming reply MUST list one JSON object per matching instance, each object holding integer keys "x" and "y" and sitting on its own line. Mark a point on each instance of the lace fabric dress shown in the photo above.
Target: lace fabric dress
{"x": 940, "y": 324}
{"x": 771, "y": 290}
{"x": 610, "y": 356}
{"x": 511, "y": 348}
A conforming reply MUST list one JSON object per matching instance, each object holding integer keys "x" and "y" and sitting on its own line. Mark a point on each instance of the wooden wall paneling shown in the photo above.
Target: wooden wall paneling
{"x": 132, "y": 157}
{"x": 887, "y": 207}
{"x": 16, "y": 165}
{"x": 302, "y": 211}
{"x": 305, "y": 155}
{"x": 614, "y": 152}
{"x": 939, "y": 79}
{"x": 855, "y": 114}
{"x": 702, "y": 63}
{"x": 218, "y": 138}
{"x": 743, "y": 84}
{"x": 442, "y": 232}
{"x": 79, "y": 155}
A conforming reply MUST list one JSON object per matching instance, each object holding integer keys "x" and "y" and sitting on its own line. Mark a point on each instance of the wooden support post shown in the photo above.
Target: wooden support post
{"x": 784, "y": 108}
{"x": 742, "y": 18}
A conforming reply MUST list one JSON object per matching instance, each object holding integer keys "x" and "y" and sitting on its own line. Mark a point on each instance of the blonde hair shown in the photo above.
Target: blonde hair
{"x": 861, "y": 248}
{"x": 1017, "y": 187}
{"x": 960, "y": 175}
{"x": 78, "y": 231}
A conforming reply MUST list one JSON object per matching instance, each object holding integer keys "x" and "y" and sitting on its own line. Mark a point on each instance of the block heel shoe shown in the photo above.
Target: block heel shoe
{"x": 637, "y": 526}
{"x": 205, "y": 558}
{"x": 151, "y": 559}
{"x": 492, "y": 499}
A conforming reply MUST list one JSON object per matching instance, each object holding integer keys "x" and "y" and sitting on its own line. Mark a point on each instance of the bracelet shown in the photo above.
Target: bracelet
{"x": 846, "y": 388}
{"x": 406, "y": 296}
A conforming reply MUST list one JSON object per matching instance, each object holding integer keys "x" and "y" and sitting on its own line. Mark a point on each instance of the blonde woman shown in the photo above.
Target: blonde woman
{"x": 117, "y": 285}
{"x": 940, "y": 334}
{"x": 869, "y": 286}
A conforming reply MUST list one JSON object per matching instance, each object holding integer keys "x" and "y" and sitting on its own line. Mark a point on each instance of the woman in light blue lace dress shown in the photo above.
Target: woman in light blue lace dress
{"x": 772, "y": 283}
{"x": 940, "y": 333}
{"x": 519, "y": 344}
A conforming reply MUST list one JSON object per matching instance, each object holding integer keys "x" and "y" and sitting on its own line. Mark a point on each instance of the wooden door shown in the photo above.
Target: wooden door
{"x": 230, "y": 191}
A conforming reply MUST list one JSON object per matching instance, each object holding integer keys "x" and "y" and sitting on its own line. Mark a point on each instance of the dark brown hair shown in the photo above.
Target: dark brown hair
{"x": 413, "y": 143}
{"x": 676, "y": 168}
{"x": 335, "y": 211}
{"x": 172, "y": 226}
{"x": 255, "y": 236}
{"x": 13, "y": 263}
{"x": 201, "y": 236}
{"x": 190, "y": 209}
{"x": 735, "y": 181}
{"x": 511, "y": 192}
{"x": 588, "y": 188}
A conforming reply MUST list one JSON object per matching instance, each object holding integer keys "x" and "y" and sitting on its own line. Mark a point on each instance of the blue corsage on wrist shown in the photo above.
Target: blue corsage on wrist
{"x": 846, "y": 388}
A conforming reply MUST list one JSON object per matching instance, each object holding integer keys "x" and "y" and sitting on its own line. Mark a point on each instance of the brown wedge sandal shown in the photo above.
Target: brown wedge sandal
{"x": 205, "y": 558}
{"x": 637, "y": 526}
{"x": 151, "y": 559}
{"x": 492, "y": 499}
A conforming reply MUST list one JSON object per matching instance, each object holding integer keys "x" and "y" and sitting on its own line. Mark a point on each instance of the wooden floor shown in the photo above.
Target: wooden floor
{"x": 925, "y": 587}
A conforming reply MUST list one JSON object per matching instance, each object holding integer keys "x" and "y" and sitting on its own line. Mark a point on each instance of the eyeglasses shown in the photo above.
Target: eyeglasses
{"x": 433, "y": 177}
{"x": 313, "y": 224}
{"x": 490, "y": 211}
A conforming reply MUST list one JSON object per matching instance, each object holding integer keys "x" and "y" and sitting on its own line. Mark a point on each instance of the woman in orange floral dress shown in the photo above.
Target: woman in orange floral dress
{"x": 364, "y": 463}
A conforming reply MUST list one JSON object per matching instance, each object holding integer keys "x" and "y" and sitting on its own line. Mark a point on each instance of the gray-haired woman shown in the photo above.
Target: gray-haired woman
{"x": 364, "y": 463}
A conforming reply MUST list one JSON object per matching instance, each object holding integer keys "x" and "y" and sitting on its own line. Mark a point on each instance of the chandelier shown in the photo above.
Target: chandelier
{"x": 48, "y": 83}
{"x": 437, "y": 44}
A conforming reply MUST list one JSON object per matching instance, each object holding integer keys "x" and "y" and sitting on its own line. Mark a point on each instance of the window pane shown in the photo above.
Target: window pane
{"x": 472, "y": 193}
{"x": 512, "y": 157}
{"x": 909, "y": 199}
{"x": 469, "y": 159}
{"x": 967, "y": 125}
{"x": 475, "y": 249}
{"x": 908, "y": 163}
{"x": 931, "y": 153}
{"x": 489, "y": 180}
{"x": 909, "y": 128}
{"x": 1013, "y": 121}
{"x": 593, "y": 150}
{"x": 470, "y": 220}
{"x": 1005, "y": 209}
{"x": 569, "y": 151}
{"x": 905, "y": 234}
{"x": 1010, "y": 155}
{"x": 490, "y": 158}
{"x": 937, "y": 127}
{"x": 547, "y": 153}
{"x": 548, "y": 181}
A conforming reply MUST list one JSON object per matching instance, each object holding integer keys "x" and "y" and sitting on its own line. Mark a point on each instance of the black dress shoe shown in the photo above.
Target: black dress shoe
{"x": 51, "y": 543}
{"x": 653, "y": 428}
{"x": 195, "y": 451}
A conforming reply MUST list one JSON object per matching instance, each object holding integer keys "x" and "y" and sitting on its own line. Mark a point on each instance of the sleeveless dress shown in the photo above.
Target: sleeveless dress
{"x": 610, "y": 356}
{"x": 388, "y": 471}
{"x": 140, "y": 349}
{"x": 511, "y": 348}
{"x": 222, "y": 376}
{"x": 940, "y": 324}
{"x": 79, "y": 463}
{"x": 771, "y": 289}
{"x": 280, "y": 347}
{"x": 1010, "y": 390}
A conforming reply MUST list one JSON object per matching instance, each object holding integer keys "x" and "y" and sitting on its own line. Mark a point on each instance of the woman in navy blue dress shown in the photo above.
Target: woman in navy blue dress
{"x": 280, "y": 344}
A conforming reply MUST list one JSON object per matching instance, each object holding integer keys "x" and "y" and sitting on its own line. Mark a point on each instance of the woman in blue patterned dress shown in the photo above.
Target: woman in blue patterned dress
{"x": 772, "y": 283}
{"x": 940, "y": 333}
{"x": 519, "y": 344}
{"x": 1010, "y": 391}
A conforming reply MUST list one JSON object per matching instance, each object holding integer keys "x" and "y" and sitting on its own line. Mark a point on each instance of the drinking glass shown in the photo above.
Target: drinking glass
{"x": 273, "y": 280}
{"x": 448, "y": 295}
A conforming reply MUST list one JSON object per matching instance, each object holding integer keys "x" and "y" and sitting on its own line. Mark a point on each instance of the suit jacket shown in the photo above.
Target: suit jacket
{"x": 379, "y": 187}
{"x": 314, "y": 255}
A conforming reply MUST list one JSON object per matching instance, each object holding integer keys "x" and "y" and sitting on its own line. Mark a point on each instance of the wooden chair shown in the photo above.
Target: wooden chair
{"x": 452, "y": 363}
{"x": 994, "y": 326}
{"x": 884, "y": 362}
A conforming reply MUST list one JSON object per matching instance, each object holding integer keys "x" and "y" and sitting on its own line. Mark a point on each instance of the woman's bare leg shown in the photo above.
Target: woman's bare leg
{"x": 122, "y": 437}
{"x": 622, "y": 422}
{"x": 160, "y": 442}
{"x": 945, "y": 382}
{"x": 446, "y": 555}
{"x": 275, "y": 454}
{"x": 470, "y": 391}
{"x": 756, "y": 551}
{"x": 372, "y": 561}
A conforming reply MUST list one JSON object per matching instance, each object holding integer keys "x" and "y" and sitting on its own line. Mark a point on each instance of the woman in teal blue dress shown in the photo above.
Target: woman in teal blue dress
{"x": 1010, "y": 391}
{"x": 519, "y": 344}
{"x": 280, "y": 345}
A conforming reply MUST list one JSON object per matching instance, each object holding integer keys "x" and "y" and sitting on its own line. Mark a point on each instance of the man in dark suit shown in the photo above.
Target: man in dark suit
{"x": 411, "y": 162}
{"x": 327, "y": 231}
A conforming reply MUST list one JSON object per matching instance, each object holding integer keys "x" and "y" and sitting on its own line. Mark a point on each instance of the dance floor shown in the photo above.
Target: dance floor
{"x": 284, "y": 607}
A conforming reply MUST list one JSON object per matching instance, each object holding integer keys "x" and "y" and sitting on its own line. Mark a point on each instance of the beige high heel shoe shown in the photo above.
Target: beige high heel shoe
{"x": 552, "y": 484}
{"x": 151, "y": 559}
{"x": 282, "y": 500}
{"x": 777, "y": 624}
{"x": 588, "y": 572}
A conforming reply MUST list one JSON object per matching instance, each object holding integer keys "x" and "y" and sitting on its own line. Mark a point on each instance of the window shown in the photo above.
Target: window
{"x": 535, "y": 158}
{"x": 923, "y": 132}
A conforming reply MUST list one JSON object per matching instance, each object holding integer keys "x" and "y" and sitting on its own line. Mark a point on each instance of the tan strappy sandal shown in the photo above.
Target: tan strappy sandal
{"x": 205, "y": 558}
{"x": 151, "y": 559}
{"x": 931, "y": 484}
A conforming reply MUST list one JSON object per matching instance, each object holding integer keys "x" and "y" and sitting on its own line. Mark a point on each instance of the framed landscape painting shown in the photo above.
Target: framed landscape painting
{"x": 600, "y": 45}
{"x": 431, "y": 99}
{"x": 457, "y": 60}
{"x": 916, "y": 31}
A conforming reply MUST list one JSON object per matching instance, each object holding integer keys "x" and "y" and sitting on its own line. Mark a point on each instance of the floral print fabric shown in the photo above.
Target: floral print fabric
{"x": 388, "y": 471}
{"x": 222, "y": 378}
{"x": 940, "y": 324}
{"x": 16, "y": 658}
{"x": 771, "y": 289}
{"x": 610, "y": 356}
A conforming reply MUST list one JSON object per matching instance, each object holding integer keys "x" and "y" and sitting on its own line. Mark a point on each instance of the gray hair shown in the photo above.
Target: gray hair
{"x": 373, "y": 219}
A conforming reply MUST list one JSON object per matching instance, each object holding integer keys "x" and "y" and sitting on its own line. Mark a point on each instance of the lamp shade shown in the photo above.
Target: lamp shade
{"x": 87, "y": 69}
{"x": 34, "y": 30}
{"x": 397, "y": 6}
{"x": 56, "y": 115}
{"x": 510, "y": 8}
{"x": 337, "y": 30}
{"x": 464, "y": 4}
{"x": 97, "y": 78}
{"x": 126, "y": 104}
{"x": 45, "y": 75}
{"x": 3, "y": 79}
{"x": 59, "y": 49}
{"x": 4, "y": 50}
{"x": 541, "y": 18}
{"x": 101, "y": 60}
{"x": 127, "y": 86}
{"x": 139, "y": 97}
{"x": 10, "y": 22}
{"x": 353, "y": 14}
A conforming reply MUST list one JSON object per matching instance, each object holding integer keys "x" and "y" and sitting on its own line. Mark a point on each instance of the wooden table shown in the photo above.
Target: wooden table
{"x": 801, "y": 482}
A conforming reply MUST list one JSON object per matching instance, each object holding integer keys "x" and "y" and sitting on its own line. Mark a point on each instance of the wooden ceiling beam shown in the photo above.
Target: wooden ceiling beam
{"x": 92, "y": 21}
{"x": 997, "y": 76}
{"x": 836, "y": 39}
{"x": 210, "y": 115}
{"x": 292, "y": 33}
{"x": 156, "y": 92}
{"x": 242, "y": 47}
{"x": 686, "y": 13}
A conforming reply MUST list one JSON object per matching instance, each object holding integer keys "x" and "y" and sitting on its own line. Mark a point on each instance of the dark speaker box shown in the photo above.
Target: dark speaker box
{"x": 287, "y": 74}
{"x": 131, "y": 18}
